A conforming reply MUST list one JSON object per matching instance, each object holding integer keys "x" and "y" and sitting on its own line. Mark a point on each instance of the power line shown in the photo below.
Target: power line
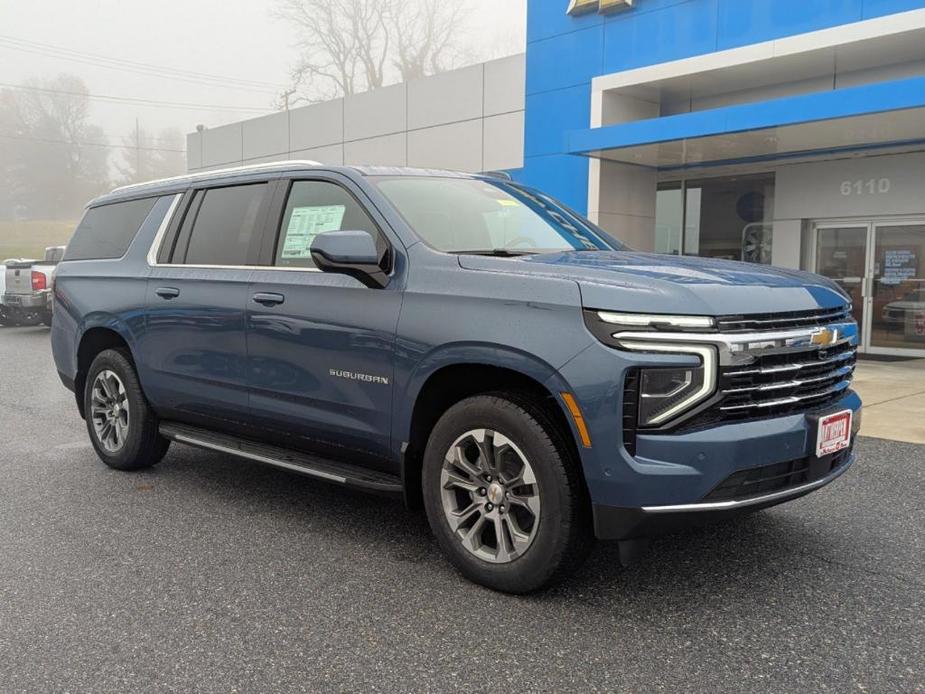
{"x": 89, "y": 144}
{"x": 98, "y": 60}
{"x": 150, "y": 103}
{"x": 123, "y": 63}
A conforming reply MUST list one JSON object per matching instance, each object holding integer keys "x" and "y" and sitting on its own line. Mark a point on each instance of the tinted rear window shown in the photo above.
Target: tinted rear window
{"x": 107, "y": 231}
{"x": 226, "y": 225}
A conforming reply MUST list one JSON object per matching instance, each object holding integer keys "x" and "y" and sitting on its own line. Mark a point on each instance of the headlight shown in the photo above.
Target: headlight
{"x": 665, "y": 392}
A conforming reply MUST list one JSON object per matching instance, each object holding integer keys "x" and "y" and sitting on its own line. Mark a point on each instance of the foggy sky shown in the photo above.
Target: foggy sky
{"x": 229, "y": 38}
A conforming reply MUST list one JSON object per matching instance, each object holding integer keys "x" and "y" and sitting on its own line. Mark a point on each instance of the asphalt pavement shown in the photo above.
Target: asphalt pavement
{"x": 218, "y": 575}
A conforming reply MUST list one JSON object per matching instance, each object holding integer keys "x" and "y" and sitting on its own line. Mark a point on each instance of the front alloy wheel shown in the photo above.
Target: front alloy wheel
{"x": 504, "y": 494}
{"x": 490, "y": 496}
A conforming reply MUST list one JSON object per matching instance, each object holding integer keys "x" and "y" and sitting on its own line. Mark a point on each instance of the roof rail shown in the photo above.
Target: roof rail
{"x": 283, "y": 163}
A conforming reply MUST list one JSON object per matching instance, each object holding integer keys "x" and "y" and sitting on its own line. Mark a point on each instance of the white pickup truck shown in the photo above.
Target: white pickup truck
{"x": 26, "y": 294}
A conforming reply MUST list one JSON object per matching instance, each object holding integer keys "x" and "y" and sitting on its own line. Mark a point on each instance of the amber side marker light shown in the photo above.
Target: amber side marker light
{"x": 579, "y": 419}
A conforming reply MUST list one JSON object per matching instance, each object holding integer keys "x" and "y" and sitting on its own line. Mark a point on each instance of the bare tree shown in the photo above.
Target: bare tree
{"x": 351, "y": 46}
{"x": 52, "y": 159}
{"x": 148, "y": 156}
{"x": 427, "y": 36}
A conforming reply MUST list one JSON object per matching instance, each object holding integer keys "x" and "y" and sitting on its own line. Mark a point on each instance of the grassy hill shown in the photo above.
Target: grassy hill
{"x": 29, "y": 239}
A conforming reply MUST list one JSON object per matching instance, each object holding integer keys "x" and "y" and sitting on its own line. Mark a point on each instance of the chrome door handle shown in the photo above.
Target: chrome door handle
{"x": 268, "y": 298}
{"x": 167, "y": 292}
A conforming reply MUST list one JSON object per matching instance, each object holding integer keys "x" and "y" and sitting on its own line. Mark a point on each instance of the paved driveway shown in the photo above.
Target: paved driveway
{"x": 211, "y": 574}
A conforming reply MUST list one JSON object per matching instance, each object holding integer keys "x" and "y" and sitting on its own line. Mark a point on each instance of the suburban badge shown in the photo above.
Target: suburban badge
{"x": 353, "y": 376}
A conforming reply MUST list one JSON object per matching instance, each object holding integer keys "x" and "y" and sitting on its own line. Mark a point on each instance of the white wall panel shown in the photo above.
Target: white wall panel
{"x": 445, "y": 98}
{"x": 222, "y": 145}
{"x": 379, "y": 112}
{"x": 266, "y": 136}
{"x": 503, "y": 146}
{"x": 193, "y": 151}
{"x": 317, "y": 125}
{"x": 389, "y": 150}
{"x": 332, "y": 154}
{"x": 505, "y": 85}
{"x": 457, "y": 146}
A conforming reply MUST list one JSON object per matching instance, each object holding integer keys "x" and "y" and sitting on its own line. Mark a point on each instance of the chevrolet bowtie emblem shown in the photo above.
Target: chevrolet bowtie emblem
{"x": 577, "y": 7}
{"x": 824, "y": 337}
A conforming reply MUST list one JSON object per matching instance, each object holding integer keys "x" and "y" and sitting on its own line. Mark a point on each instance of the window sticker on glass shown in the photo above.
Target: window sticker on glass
{"x": 306, "y": 223}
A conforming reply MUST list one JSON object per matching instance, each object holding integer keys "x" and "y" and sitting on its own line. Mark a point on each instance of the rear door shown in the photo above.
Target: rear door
{"x": 321, "y": 346}
{"x": 194, "y": 342}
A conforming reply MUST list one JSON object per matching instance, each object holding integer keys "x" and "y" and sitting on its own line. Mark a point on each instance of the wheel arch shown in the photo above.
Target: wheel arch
{"x": 465, "y": 371}
{"x": 95, "y": 338}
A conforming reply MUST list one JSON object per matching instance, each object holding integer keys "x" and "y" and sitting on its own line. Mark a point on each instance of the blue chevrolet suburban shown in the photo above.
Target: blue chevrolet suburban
{"x": 463, "y": 341}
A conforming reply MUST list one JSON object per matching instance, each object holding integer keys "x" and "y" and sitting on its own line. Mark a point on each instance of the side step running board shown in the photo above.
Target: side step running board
{"x": 303, "y": 463}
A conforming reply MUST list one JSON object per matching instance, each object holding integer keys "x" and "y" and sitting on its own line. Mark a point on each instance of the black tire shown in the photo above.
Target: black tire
{"x": 143, "y": 445}
{"x": 564, "y": 534}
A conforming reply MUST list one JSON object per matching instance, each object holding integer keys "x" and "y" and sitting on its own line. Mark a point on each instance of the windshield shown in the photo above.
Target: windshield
{"x": 467, "y": 215}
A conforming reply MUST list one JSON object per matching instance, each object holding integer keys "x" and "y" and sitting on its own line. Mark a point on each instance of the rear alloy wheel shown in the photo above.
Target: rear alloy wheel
{"x": 109, "y": 411}
{"x": 504, "y": 494}
{"x": 123, "y": 429}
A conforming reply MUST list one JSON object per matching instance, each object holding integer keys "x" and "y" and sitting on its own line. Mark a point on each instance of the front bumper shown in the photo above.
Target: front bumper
{"x": 668, "y": 475}
{"x": 615, "y": 523}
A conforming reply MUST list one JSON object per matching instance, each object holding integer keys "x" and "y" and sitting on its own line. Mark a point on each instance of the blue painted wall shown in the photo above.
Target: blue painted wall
{"x": 565, "y": 53}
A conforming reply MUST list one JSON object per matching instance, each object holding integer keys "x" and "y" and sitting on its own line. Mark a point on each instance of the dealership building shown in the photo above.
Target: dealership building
{"x": 787, "y": 132}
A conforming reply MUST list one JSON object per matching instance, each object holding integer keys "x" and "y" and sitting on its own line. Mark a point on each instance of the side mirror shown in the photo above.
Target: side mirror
{"x": 350, "y": 253}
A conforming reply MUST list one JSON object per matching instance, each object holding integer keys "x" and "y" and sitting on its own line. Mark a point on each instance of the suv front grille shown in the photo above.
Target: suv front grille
{"x": 782, "y": 321}
{"x": 768, "y": 479}
{"x": 783, "y": 383}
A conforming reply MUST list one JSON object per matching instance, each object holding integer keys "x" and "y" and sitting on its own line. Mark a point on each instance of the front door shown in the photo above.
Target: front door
{"x": 321, "y": 346}
{"x": 881, "y": 265}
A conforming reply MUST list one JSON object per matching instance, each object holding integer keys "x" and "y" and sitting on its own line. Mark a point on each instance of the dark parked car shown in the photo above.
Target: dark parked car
{"x": 463, "y": 341}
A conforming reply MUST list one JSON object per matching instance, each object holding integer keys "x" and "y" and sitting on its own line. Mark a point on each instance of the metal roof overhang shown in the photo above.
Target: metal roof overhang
{"x": 884, "y": 114}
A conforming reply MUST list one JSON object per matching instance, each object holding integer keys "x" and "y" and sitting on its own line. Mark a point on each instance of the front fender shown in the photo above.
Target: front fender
{"x": 475, "y": 354}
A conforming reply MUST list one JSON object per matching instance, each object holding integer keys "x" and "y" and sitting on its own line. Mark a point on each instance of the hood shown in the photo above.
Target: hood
{"x": 656, "y": 283}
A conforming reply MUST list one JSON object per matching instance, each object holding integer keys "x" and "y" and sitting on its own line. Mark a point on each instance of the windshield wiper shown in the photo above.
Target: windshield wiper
{"x": 497, "y": 252}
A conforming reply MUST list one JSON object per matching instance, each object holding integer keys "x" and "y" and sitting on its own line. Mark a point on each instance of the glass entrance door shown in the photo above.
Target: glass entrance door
{"x": 881, "y": 266}
{"x": 841, "y": 255}
{"x": 898, "y": 288}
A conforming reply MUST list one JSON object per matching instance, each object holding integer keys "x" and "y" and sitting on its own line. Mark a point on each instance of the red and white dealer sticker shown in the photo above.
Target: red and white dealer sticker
{"x": 834, "y": 433}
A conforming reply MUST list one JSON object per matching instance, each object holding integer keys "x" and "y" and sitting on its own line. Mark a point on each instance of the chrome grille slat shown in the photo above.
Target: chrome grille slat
{"x": 789, "y": 400}
{"x": 794, "y": 366}
{"x": 840, "y": 373}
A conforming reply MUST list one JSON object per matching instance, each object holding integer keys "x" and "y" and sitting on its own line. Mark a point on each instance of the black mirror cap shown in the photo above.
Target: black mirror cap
{"x": 351, "y": 253}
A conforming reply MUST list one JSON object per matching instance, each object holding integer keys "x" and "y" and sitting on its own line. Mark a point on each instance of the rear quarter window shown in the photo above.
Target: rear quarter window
{"x": 108, "y": 230}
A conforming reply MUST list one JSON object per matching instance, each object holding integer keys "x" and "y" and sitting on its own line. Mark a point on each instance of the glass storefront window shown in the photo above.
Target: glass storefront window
{"x": 669, "y": 216}
{"x": 729, "y": 217}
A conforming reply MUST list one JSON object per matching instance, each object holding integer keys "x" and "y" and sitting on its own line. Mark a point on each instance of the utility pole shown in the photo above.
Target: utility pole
{"x": 137, "y": 150}
{"x": 286, "y": 96}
